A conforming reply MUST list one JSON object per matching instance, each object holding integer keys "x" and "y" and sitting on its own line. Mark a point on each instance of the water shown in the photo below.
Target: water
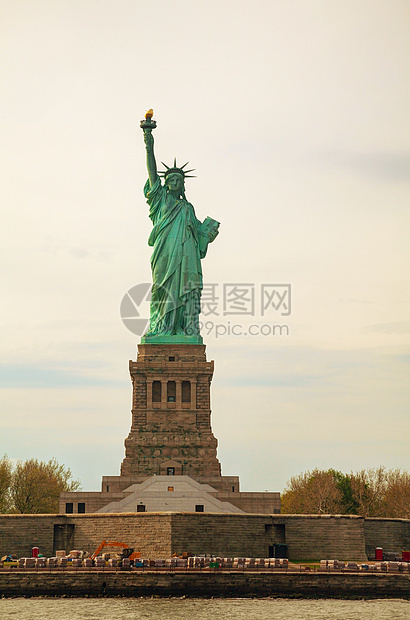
{"x": 193, "y": 609}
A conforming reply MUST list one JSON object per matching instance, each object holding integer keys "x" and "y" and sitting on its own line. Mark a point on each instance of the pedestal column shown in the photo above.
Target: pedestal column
{"x": 174, "y": 432}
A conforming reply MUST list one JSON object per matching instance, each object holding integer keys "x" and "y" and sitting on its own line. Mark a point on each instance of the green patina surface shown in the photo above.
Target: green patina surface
{"x": 171, "y": 339}
{"x": 179, "y": 242}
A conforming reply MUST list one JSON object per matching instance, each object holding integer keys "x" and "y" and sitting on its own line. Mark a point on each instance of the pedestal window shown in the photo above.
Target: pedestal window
{"x": 156, "y": 391}
{"x": 186, "y": 391}
{"x": 171, "y": 391}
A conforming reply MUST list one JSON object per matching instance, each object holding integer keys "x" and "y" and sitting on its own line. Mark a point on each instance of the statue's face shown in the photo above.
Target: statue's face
{"x": 175, "y": 182}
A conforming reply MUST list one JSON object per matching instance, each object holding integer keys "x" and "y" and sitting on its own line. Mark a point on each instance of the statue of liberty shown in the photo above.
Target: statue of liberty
{"x": 180, "y": 241}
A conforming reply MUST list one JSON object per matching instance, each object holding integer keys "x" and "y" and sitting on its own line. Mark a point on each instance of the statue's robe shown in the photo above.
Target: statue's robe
{"x": 175, "y": 263}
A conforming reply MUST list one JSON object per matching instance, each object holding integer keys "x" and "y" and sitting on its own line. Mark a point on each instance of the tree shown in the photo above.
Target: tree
{"x": 313, "y": 492}
{"x": 397, "y": 494}
{"x": 368, "y": 490}
{"x": 36, "y": 486}
{"x": 5, "y": 481}
{"x": 382, "y": 493}
{"x": 349, "y": 504}
{"x": 373, "y": 492}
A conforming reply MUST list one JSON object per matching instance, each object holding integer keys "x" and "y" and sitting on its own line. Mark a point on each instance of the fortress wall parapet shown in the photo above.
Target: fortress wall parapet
{"x": 158, "y": 535}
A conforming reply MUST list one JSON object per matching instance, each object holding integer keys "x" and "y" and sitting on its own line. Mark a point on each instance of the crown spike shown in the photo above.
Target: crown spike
{"x": 176, "y": 169}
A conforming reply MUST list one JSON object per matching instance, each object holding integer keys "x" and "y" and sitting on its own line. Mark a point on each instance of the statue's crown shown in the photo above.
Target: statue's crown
{"x": 177, "y": 170}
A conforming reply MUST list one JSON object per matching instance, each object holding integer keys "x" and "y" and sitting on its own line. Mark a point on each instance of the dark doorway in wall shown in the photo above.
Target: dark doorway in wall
{"x": 279, "y": 534}
{"x": 63, "y": 537}
{"x": 278, "y": 551}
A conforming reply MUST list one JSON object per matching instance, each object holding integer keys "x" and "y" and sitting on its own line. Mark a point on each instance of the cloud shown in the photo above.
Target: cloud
{"x": 389, "y": 166}
{"x": 395, "y": 327}
{"x": 270, "y": 380}
{"x": 24, "y": 376}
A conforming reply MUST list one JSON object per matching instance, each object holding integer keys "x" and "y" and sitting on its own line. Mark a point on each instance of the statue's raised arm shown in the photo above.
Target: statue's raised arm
{"x": 147, "y": 126}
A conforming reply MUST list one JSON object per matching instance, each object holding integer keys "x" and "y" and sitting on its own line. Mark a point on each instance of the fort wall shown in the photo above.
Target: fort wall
{"x": 390, "y": 534}
{"x": 159, "y": 535}
{"x": 306, "y": 537}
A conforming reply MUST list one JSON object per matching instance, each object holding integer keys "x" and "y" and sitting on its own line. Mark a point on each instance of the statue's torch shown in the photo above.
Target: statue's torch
{"x": 148, "y": 123}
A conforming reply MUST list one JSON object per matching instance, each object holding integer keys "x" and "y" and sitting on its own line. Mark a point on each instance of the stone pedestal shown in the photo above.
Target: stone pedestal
{"x": 170, "y": 435}
{"x": 171, "y": 416}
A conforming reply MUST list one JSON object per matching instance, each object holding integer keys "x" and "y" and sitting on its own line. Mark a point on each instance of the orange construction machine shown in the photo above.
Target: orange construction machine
{"x": 127, "y": 552}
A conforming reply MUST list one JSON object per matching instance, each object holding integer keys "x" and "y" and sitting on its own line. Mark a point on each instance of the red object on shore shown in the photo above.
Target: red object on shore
{"x": 34, "y": 552}
{"x": 379, "y": 554}
{"x": 405, "y": 556}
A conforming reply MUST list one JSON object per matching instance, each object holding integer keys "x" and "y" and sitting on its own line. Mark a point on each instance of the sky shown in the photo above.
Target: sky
{"x": 295, "y": 116}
